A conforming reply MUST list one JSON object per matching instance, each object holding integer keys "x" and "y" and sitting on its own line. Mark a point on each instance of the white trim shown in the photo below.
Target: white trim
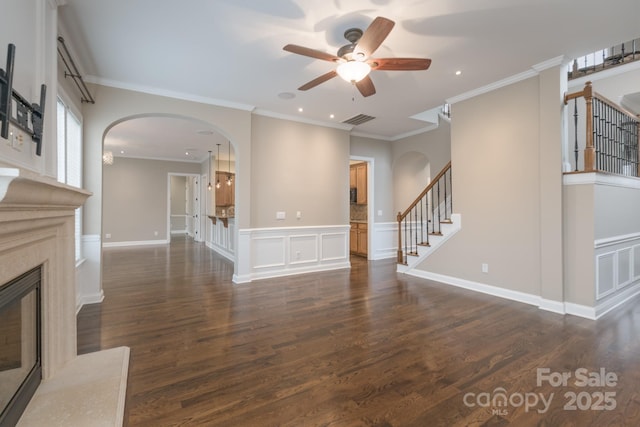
{"x": 425, "y": 129}
{"x": 299, "y": 119}
{"x": 552, "y": 306}
{"x": 168, "y": 93}
{"x": 384, "y": 240}
{"x": 221, "y": 251}
{"x": 278, "y": 259}
{"x": 533, "y": 72}
{"x": 89, "y": 299}
{"x": 617, "y": 300}
{"x": 492, "y": 86}
{"x": 135, "y": 243}
{"x": 478, "y": 287}
{"x": 159, "y": 159}
{"x": 613, "y": 255}
{"x": 580, "y": 310}
{"x": 543, "y": 304}
{"x": 600, "y": 178}
{"x": 610, "y": 241}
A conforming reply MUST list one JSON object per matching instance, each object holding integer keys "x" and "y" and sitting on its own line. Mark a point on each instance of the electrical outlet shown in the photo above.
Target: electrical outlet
{"x": 16, "y": 139}
{"x": 155, "y": 233}
{"x": 107, "y": 236}
{"x": 280, "y": 215}
{"x": 298, "y": 214}
{"x": 485, "y": 268}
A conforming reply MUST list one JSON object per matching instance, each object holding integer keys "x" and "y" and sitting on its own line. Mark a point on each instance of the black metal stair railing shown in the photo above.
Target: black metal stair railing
{"x": 611, "y": 139}
{"x": 425, "y": 216}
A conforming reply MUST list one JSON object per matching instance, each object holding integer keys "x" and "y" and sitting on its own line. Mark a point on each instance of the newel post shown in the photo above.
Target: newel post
{"x": 400, "y": 254}
{"x": 589, "y": 151}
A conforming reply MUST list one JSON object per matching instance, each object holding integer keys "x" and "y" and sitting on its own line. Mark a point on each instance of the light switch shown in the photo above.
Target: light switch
{"x": 298, "y": 214}
{"x": 281, "y": 215}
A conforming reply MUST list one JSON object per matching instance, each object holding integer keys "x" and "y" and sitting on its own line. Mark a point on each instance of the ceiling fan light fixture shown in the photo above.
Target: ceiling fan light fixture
{"x": 353, "y": 71}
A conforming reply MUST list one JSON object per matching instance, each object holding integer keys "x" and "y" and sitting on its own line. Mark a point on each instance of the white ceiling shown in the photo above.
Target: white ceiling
{"x": 229, "y": 52}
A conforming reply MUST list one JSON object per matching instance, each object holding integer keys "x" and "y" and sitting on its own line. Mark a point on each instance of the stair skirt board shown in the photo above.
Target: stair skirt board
{"x": 448, "y": 229}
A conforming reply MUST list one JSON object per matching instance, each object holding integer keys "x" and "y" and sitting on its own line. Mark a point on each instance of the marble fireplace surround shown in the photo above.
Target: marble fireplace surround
{"x": 37, "y": 229}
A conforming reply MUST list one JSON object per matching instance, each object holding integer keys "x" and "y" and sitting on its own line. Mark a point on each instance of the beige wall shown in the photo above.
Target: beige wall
{"x": 496, "y": 180}
{"x": 135, "y": 198}
{"x": 298, "y": 167}
{"x": 380, "y": 152}
{"x": 31, "y": 25}
{"x": 416, "y": 160}
{"x": 616, "y": 211}
{"x": 113, "y": 105}
{"x": 578, "y": 232}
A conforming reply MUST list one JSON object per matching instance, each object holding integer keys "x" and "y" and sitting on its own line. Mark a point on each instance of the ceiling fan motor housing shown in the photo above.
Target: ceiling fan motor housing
{"x": 353, "y": 35}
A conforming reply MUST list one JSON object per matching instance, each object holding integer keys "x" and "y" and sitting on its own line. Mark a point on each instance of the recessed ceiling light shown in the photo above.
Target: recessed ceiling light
{"x": 286, "y": 95}
{"x": 300, "y": 110}
{"x": 187, "y": 153}
{"x": 458, "y": 72}
{"x": 121, "y": 151}
{"x": 331, "y": 116}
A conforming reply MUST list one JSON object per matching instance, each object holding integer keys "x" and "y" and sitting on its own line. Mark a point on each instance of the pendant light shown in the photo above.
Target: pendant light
{"x": 209, "y": 187}
{"x": 229, "y": 179}
{"x": 218, "y": 168}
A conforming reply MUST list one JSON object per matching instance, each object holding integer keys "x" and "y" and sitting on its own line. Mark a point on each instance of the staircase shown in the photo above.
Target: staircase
{"x": 427, "y": 223}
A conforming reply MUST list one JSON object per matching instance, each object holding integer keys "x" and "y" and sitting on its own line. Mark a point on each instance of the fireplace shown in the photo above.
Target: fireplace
{"x": 20, "y": 361}
{"x": 37, "y": 240}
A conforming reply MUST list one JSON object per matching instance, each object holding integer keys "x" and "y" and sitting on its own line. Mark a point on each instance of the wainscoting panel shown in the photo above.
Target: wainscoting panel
{"x": 276, "y": 252}
{"x": 268, "y": 252}
{"x": 617, "y": 261}
{"x": 384, "y": 243}
{"x": 605, "y": 274}
{"x": 303, "y": 249}
{"x": 334, "y": 247}
{"x": 222, "y": 239}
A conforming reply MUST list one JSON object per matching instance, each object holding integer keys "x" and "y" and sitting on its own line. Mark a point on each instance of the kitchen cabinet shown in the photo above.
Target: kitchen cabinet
{"x": 225, "y": 195}
{"x": 358, "y": 180}
{"x": 358, "y": 238}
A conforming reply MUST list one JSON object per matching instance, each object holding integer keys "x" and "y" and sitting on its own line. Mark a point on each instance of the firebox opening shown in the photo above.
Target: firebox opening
{"x": 20, "y": 344}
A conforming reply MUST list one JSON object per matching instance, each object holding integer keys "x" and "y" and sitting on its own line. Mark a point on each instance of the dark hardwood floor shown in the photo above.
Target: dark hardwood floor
{"x": 358, "y": 347}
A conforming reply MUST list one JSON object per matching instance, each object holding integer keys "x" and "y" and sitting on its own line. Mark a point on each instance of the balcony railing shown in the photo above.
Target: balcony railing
{"x": 607, "y": 135}
{"x": 614, "y": 56}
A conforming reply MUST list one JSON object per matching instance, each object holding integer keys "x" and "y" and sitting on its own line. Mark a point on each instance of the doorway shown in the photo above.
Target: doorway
{"x": 361, "y": 206}
{"x": 185, "y": 207}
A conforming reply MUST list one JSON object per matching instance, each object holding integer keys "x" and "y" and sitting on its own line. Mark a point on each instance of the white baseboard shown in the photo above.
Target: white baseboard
{"x": 137, "y": 243}
{"x": 543, "y": 304}
{"x": 89, "y": 299}
{"x": 222, "y": 251}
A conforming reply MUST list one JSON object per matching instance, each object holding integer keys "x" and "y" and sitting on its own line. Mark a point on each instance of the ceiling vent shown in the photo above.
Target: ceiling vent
{"x": 358, "y": 120}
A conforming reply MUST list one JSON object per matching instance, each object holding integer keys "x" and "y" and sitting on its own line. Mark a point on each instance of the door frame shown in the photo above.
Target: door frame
{"x": 188, "y": 176}
{"x": 370, "y": 199}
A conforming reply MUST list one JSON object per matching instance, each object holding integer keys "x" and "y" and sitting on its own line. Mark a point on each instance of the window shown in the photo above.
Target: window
{"x": 70, "y": 159}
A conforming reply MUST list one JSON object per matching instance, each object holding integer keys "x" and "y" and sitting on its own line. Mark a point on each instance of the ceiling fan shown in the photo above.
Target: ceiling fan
{"x": 354, "y": 59}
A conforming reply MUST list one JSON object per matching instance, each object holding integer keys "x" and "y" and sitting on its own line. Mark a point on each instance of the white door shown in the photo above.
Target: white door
{"x": 195, "y": 187}
{"x": 189, "y": 206}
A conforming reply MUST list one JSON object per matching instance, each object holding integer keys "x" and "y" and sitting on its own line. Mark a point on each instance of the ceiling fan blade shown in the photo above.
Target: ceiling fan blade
{"x": 366, "y": 87}
{"x": 373, "y": 37}
{"x": 315, "y": 82}
{"x": 400, "y": 64}
{"x": 301, "y": 50}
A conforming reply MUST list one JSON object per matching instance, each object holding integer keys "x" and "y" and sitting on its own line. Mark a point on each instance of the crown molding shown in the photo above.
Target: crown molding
{"x": 267, "y": 113}
{"x": 168, "y": 93}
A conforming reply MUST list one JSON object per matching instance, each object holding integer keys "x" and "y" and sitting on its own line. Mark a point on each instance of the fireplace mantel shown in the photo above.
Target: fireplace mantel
{"x": 23, "y": 189}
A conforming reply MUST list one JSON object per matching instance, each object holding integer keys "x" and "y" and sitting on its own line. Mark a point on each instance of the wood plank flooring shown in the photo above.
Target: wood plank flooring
{"x": 358, "y": 347}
